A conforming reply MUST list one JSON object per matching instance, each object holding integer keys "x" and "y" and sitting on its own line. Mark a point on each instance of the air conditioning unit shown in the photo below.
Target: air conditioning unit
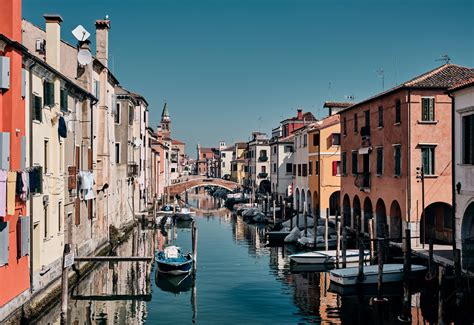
{"x": 40, "y": 45}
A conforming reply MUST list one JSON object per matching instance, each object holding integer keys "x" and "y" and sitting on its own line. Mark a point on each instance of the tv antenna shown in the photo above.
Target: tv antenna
{"x": 444, "y": 58}
{"x": 350, "y": 98}
{"x": 80, "y": 33}
{"x": 381, "y": 74}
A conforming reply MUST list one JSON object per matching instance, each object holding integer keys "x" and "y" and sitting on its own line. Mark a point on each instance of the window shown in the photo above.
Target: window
{"x": 294, "y": 169}
{"x": 316, "y": 167}
{"x": 344, "y": 126}
{"x": 316, "y": 139}
{"x": 398, "y": 117}
{"x": 367, "y": 119}
{"x": 263, "y": 153}
{"x": 398, "y": 159}
{"x": 310, "y": 168}
{"x": 46, "y": 156}
{"x": 288, "y": 149}
{"x": 379, "y": 161}
{"x": 63, "y": 103}
{"x": 305, "y": 140}
{"x": 48, "y": 93}
{"x": 354, "y": 162}
{"x": 274, "y": 167}
{"x": 299, "y": 169}
{"x": 305, "y": 170}
{"x": 296, "y": 141}
{"x": 467, "y": 140}
{"x": 427, "y": 109}
{"x": 117, "y": 152}
{"x": 344, "y": 163}
{"x": 46, "y": 226}
{"x": 336, "y": 139}
{"x": 37, "y": 108}
{"x": 274, "y": 149}
{"x": 355, "y": 123}
{"x": 118, "y": 106}
{"x": 428, "y": 160}
{"x": 289, "y": 168}
{"x": 223, "y": 154}
{"x": 130, "y": 115}
{"x": 336, "y": 168}
{"x": 380, "y": 116}
{"x": 60, "y": 217}
{"x": 97, "y": 89}
{"x": 263, "y": 169}
{"x": 223, "y": 164}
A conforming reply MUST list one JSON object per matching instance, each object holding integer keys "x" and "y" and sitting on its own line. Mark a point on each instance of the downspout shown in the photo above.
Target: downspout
{"x": 409, "y": 163}
{"x": 453, "y": 169}
{"x": 93, "y": 101}
{"x": 30, "y": 81}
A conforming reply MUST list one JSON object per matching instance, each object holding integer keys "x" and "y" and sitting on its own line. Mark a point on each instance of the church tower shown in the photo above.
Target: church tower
{"x": 166, "y": 123}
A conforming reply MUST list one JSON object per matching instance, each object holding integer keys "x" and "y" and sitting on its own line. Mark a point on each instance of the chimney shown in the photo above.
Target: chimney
{"x": 102, "y": 40}
{"x": 300, "y": 114}
{"x": 53, "y": 40}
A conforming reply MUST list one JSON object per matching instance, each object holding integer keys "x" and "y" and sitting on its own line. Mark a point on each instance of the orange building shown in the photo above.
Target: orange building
{"x": 14, "y": 229}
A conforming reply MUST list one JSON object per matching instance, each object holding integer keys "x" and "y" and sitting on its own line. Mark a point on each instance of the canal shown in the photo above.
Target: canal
{"x": 239, "y": 280}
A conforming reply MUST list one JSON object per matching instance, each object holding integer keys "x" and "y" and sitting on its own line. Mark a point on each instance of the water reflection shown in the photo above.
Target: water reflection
{"x": 240, "y": 279}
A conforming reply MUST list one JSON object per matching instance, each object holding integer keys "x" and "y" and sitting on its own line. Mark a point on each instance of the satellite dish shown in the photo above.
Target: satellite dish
{"x": 84, "y": 57}
{"x": 80, "y": 33}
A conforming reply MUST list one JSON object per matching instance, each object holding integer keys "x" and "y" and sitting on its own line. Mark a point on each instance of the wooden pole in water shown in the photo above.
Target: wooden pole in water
{"x": 65, "y": 285}
{"x": 315, "y": 229}
{"x": 338, "y": 244}
{"x": 430, "y": 258}
{"x": 406, "y": 317}
{"x": 305, "y": 215}
{"x": 194, "y": 234}
{"x": 380, "y": 268}
{"x": 326, "y": 230}
{"x": 291, "y": 216}
{"x": 360, "y": 275}
{"x": 274, "y": 213}
{"x": 372, "y": 244}
{"x": 344, "y": 244}
{"x": 441, "y": 271}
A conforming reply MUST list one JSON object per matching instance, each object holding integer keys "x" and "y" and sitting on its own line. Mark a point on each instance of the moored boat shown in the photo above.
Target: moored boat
{"x": 327, "y": 257}
{"x": 391, "y": 273}
{"x": 172, "y": 261}
{"x": 184, "y": 214}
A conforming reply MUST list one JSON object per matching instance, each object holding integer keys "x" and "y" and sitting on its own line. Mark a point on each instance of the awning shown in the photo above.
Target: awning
{"x": 365, "y": 150}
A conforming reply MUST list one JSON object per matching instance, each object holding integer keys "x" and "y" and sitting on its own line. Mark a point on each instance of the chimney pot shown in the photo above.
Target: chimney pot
{"x": 53, "y": 18}
{"x": 300, "y": 114}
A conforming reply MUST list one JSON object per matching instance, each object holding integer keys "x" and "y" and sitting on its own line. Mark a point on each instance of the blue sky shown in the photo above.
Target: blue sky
{"x": 227, "y": 67}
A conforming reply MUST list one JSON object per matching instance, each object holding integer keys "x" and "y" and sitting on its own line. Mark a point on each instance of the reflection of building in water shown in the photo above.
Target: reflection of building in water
{"x": 251, "y": 236}
{"x": 279, "y": 261}
{"x": 116, "y": 280}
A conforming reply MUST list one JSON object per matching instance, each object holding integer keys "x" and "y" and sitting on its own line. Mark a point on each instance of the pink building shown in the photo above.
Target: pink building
{"x": 385, "y": 139}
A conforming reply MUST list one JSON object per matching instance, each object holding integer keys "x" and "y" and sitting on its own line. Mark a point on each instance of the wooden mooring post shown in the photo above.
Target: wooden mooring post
{"x": 326, "y": 230}
{"x": 274, "y": 212}
{"x": 291, "y": 216}
{"x": 372, "y": 241}
{"x": 380, "y": 260}
{"x": 360, "y": 275}
{"x": 305, "y": 215}
{"x": 430, "y": 258}
{"x": 406, "y": 310}
{"x": 338, "y": 243}
{"x": 194, "y": 235}
{"x": 344, "y": 245}
{"x": 68, "y": 260}
{"x": 441, "y": 272}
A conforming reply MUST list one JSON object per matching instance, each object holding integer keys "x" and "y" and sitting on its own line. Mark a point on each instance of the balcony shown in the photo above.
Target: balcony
{"x": 362, "y": 181}
{"x": 132, "y": 169}
{"x": 263, "y": 158}
{"x": 262, "y": 175}
{"x": 365, "y": 132}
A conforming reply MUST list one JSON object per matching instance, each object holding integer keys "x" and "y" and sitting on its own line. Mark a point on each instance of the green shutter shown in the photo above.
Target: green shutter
{"x": 37, "y": 109}
{"x": 64, "y": 97}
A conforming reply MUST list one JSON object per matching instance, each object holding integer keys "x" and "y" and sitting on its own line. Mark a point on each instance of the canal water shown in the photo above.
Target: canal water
{"x": 239, "y": 280}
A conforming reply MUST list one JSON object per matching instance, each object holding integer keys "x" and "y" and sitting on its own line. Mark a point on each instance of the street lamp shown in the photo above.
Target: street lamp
{"x": 420, "y": 176}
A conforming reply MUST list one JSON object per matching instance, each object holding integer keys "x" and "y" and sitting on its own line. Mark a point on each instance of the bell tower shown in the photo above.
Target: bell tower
{"x": 166, "y": 123}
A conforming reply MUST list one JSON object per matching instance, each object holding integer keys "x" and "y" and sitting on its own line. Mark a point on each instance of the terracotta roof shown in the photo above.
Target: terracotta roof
{"x": 337, "y": 104}
{"x": 177, "y": 142}
{"x": 308, "y": 116}
{"x": 325, "y": 122}
{"x": 463, "y": 84}
{"x": 241, "y": 145}
{"x": 441, "y": 77}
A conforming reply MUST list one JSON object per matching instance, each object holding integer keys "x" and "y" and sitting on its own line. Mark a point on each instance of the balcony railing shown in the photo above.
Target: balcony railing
{"x": 132, "y": 169}
{"x": 263, "y": 158}
{"x": 362, "y": 181}
{"x": 262, "y": 175}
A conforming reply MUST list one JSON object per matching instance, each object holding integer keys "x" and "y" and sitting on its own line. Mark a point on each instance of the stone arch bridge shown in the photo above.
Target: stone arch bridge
{"x": 185, "y": 185}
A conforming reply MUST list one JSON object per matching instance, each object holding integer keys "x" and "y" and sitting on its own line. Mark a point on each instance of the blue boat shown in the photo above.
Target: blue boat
{"x": 172, "y": 261}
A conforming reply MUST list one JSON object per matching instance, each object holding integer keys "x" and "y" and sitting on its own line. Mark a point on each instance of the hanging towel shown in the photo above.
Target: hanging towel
{"x": 24, "y": 191}
{"x": 62, "y": 128}
{"x": 3, "y": 193}
{"x": 19, "y": 184}
{"x": 11, "y": 184}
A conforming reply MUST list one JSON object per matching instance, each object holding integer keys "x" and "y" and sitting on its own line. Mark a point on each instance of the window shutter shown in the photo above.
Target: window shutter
{"x": 64, "y": 96}
{"x": 4, "y": 242}
{"x": 72, "y": 178}
{"x": 432, "y": 109}
{"x": 5, "y": 150}
{"x": 334, "y": 168}
{"x": 25, "y": 235}
{"x": 38, "y": 114}
{"x": 77, "y": 211}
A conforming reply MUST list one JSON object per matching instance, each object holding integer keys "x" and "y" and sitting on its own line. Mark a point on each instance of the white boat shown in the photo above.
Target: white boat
{"x": 166, "y": 210}
{"x": 391, "y": 273}
{"x": 327, "y": 257}
{"x": 308, "y": 241}
{"x": 184, "y": 214}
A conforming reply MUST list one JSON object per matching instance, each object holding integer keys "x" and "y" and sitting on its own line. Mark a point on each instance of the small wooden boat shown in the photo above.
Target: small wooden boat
{"x": 391, "y": 273}
{"x": 184, "y": 214}
{"x": 278, "y": 235}
{"x": 327, "y": 257}
{"x": 172, "y": 261}
{"x": 308, "y": 242}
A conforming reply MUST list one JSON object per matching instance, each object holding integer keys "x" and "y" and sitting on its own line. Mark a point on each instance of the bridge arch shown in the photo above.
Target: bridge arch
{"x": 180, "y": 187}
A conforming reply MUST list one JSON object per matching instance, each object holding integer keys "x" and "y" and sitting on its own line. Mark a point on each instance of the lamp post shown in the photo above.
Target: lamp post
{"x": 420, "y": 176}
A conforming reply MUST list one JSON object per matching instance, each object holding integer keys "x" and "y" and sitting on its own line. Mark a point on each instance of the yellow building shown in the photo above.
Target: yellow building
{"x": 239, "y": 163}
{"x": 324, "y": 165}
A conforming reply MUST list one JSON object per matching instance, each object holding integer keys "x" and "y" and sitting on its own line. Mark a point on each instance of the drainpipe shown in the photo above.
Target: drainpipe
{"x": 30, "y": 77}
{"x": 408, "y": 163}
{"x": 453, "y": 169}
